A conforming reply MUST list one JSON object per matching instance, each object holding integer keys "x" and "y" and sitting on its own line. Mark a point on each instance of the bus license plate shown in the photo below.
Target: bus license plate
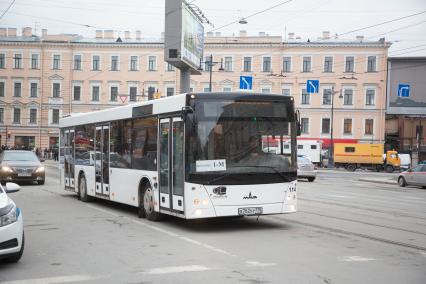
{"x": 250, "y": 211}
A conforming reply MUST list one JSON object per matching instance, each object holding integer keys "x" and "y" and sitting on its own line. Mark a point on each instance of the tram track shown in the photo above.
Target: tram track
{"x": 350, "y": 233}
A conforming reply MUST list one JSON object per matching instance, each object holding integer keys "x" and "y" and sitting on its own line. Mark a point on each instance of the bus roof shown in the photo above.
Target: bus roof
{"x": 159, "y": 106}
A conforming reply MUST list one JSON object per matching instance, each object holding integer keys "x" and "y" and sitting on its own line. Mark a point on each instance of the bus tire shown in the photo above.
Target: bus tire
{"x": 147, "y": 205}
{"x": 82, "y": 189}
{"x": 402, "y": 182}
{"x": 351, "y": 167}
{"x": 389, "y": 169}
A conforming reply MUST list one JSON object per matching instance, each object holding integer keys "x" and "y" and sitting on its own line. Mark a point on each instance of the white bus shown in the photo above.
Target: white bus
{"x": 189, "y": 155}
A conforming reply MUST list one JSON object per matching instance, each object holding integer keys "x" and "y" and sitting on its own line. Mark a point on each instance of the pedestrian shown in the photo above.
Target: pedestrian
{"x": 37, "y": 151}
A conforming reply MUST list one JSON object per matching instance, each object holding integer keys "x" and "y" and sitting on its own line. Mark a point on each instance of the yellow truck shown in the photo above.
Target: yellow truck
{"x": 352, "y": 156}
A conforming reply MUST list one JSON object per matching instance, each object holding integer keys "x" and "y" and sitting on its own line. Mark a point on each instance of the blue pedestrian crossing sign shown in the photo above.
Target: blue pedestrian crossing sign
{"x": 312, "y": 86}
{"x": 246, "y": 82}
{"x": 403, "y": 90}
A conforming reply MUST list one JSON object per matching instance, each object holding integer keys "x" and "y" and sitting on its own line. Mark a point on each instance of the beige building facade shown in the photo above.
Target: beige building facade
{"x": 45, "y": 77}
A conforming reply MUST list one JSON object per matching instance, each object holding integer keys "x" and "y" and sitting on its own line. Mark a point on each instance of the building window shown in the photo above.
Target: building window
{"x": 2, "y": 61}
{"x": 206, "y": 89}
{"x": 17, "y": 89}
{"x": 56, "y": 90}
{"x": 152, "y": 63}
{"x": 17, "y": 115}
{"x": 371, "y": 64}
{"x": 17, "y": 63}
{"x": 305, "y": 97}
{"x": 170, "y": 91}
{"x": 266, "y": 66}
{"x": 305, "y": 125}
{"x": 226, "y": 89}
{"x": 33, "y": 90}
{"x": 369, "y": 123}
{"x": 55, "y": 116}
{"x": 349, "y": 64}
{"x": 132, "y": 94}
{"x": 170, "y": 67}
{"x": 370, "y": 95}
{"x": 328, "y": 64}
{"x": 114, "y": 63}
{"x": 306, "y": 64}
{"x": 56, "y": 62}
{"x": 286, "y": 92}
{"x": 247, "y": 64}
{"x": 228, "y": 63}
{"x": 326, "y": 97}
{"x": 325, "y": 126}
{"x": 34, "y": 61}
{"x": 96, "y": 63}
{"x": 1, "y": 115}
{"x": 265, "y": 90}
{"x": 286, "y": 64}
{"x": 347, "y": 126}
{"x": 113, "y": 93}
{"x": 76, "y": 93}
{"x": 348, "y": 97}
{"x": 133, "y": 63}
{"x": 77, "y": 62}
{"x": 207, "y": 63}
{"x": 33, "y": 116}
{"x": 95, "y": 93}
{"x": 2, "y": 88}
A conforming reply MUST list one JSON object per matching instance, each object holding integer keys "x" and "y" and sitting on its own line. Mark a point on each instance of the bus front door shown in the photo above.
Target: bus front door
{"x": 101, "y": 160}
{"x": 69, "y": 158}
{"x": 171, "y": 166}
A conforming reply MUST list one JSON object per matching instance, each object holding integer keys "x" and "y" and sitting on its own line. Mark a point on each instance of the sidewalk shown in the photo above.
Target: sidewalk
{"x": 51, "y": 164}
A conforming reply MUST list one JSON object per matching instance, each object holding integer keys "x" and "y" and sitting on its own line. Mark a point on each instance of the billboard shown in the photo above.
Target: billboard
{"x": 183, "y": 37}
{"x": 406, "y": 91}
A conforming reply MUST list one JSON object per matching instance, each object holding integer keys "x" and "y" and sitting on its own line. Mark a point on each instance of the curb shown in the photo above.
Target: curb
{"x": 392, "y": 182}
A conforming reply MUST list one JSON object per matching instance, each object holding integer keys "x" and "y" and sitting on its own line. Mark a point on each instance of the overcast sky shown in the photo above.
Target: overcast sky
{"x": 306, "y": 18}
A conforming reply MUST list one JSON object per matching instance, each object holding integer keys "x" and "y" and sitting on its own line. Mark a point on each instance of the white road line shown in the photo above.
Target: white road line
{"x": 175, "y": 269}
{"x": 414, "y": 198}
{"x": 355, "y": 258}
{"x": 259, "y": 264}
{"x": 51, "y": 280}
{"x": 339, "y": 196}
{"x": 166, "y": 232}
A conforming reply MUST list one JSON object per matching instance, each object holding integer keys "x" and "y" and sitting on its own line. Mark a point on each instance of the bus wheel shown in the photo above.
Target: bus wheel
{"x": 351, "y": 167}
{"x": 148, "y": 205}
{"x": 389, "y": 169}
{"x": 82, "y": 189}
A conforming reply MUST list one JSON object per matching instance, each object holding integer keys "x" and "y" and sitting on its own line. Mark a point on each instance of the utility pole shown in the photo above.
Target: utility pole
{"x": 211, "y": 63}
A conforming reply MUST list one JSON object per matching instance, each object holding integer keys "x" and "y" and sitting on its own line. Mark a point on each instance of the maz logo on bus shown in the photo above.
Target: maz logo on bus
{"x": 250, "y": 196}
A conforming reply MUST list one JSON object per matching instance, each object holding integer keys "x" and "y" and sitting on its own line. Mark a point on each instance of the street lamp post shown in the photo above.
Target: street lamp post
{"x": 211, "y": 63}
{"x": 331, "y": 150}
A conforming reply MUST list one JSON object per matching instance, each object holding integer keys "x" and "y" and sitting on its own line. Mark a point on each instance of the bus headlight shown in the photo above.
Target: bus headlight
{"x": 198, "y": 212}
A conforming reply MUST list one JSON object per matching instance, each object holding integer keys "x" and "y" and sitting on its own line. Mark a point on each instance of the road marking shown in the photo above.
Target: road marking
{"x": 175, "y": 269}
{"x": 356, "y": 258}
{"x": 414, "y": 198}
{"x": 339, "y": 196}
{"x": 259, "y": 264}
{"x": 166, "y": 232}
{"x": 51, "y": 280}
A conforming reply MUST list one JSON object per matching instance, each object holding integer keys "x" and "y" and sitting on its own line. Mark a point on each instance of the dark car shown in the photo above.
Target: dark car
{"x": 16, "y": 165}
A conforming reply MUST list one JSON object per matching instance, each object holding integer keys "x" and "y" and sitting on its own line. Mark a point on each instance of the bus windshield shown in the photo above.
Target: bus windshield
{"x": 242, "y": 137}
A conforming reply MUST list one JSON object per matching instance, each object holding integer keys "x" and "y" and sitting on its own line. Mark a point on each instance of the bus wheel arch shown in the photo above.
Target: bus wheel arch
{"x": 145, "y": 199}
{"x": 82, "y": 188}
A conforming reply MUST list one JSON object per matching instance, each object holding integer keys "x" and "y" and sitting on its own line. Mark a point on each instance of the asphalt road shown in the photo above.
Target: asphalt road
{"x": 345, "y": 231}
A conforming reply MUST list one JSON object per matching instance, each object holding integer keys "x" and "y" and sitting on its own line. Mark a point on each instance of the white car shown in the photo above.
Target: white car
{"x": 11, "y": 225}
{"x": 306, "y": 169}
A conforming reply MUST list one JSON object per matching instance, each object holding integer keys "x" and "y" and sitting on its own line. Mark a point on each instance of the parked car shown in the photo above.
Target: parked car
{"x": 11, "y": 225}
{"x": 414, "y": 176}
{"x": 306, "y": 169}
{"x": 17, "y": 165}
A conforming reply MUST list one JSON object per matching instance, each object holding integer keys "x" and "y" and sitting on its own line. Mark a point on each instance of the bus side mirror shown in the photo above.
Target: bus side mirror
{"x": 298, "y": 125}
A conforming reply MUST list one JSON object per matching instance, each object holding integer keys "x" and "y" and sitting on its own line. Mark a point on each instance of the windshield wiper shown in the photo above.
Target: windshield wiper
{"x": 283, "y": 177}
